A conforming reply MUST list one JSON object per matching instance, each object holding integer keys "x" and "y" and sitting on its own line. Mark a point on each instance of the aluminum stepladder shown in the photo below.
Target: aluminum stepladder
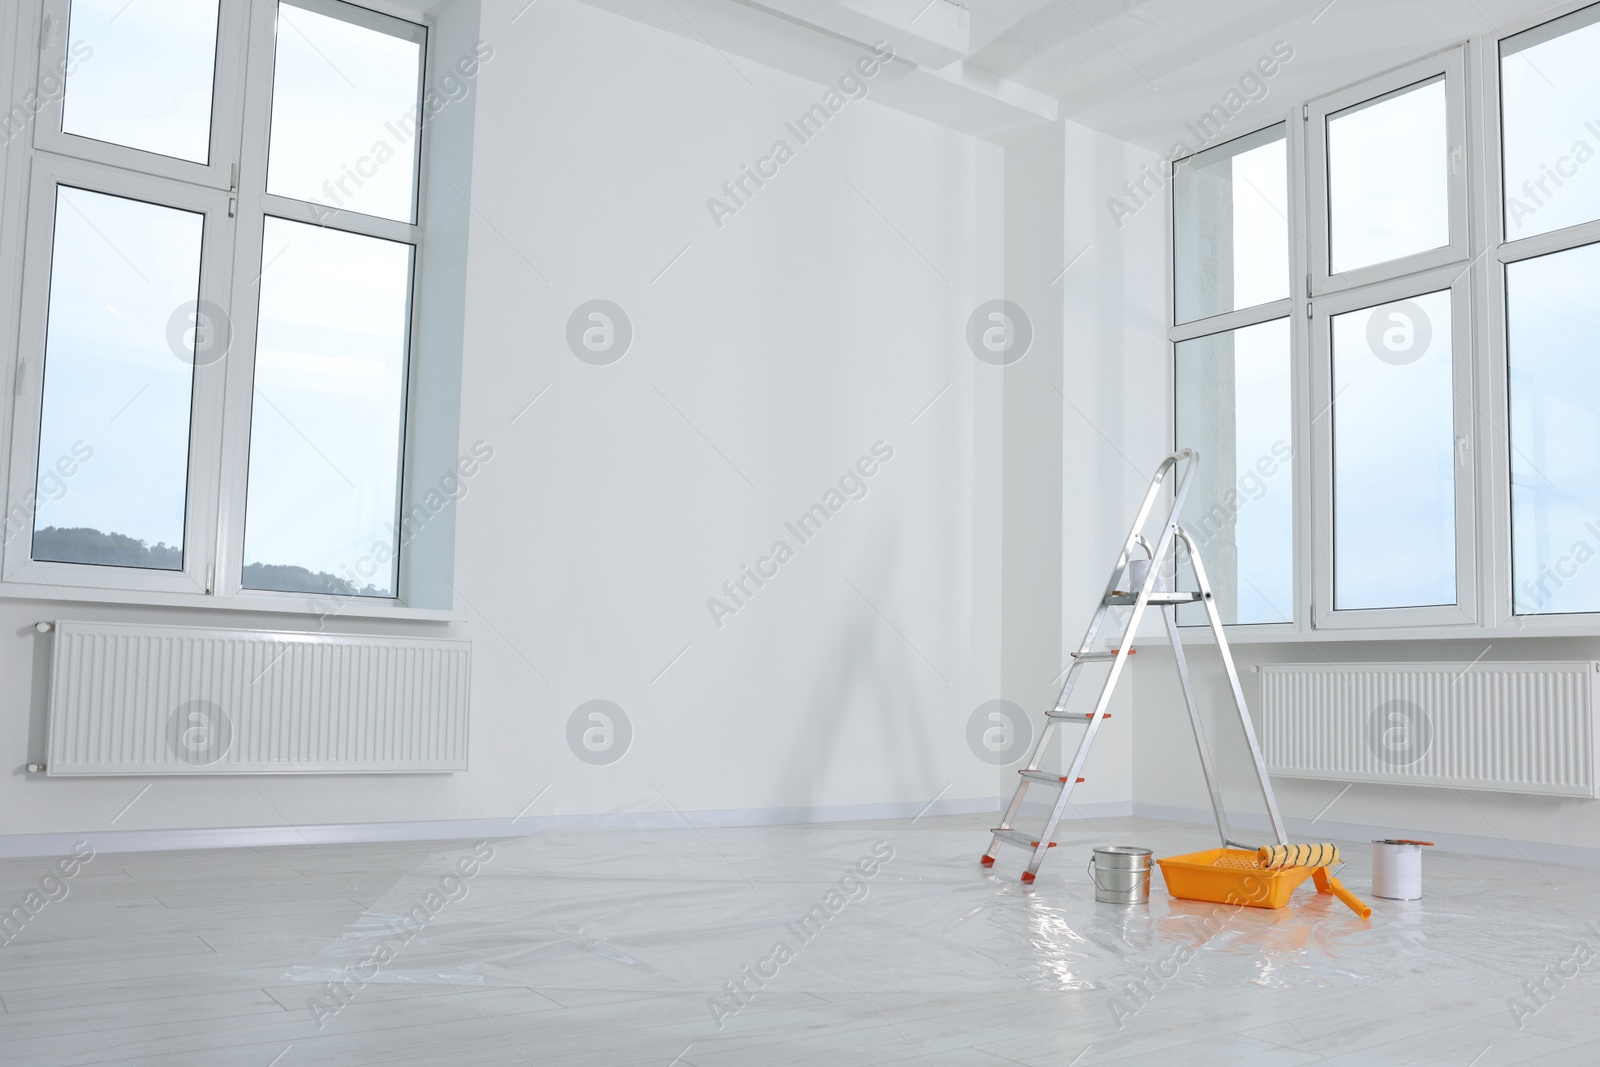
{"x": 1167, "y": 603}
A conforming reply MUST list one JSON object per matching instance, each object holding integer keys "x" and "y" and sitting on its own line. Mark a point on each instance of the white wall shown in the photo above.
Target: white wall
{"x": 1114, "y": 434}
{"x": 770, "y": 357}
{"x": 820, "y": 319}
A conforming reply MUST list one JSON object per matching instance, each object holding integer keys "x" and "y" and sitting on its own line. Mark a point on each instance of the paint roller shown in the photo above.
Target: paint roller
{"x": 1277, "y": 857}
{"x": 1319, "y": 856}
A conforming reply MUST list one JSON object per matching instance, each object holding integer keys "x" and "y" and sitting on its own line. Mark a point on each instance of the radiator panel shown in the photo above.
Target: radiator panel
{"x": 128, "y": 699}
{"x": 1511, "y": 727}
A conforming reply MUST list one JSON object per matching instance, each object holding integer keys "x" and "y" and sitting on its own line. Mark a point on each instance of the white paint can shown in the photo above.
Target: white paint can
{"x": 1138, "y": 570}
{"x": 1397, "y": 870}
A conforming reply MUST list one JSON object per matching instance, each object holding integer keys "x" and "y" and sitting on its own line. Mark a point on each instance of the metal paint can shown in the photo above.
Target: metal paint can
{"x": 1121, "y": 874}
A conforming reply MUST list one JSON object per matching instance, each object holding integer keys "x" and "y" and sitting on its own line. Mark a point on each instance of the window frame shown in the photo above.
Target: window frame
{"x": 221, "y": 410}
{"x": 1503, "y": 252}
{"x": 255, "y": 206}
{"x": 1480, "y": 335}
{"x": 1451, "y": 65}
{"x": 227, "y": 100}
{"x": 1290, "y": 306}
{"x": 1464, "y": 611}
{"x": 205, "y": 412}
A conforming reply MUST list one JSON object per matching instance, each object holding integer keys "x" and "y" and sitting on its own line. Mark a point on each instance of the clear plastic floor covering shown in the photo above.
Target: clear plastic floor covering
{"x": 851, "y": 916}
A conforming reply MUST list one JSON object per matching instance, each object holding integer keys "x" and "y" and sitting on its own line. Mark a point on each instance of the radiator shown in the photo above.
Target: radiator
{"x": 128, "y": 699}
{"x": 1513, "y": 727}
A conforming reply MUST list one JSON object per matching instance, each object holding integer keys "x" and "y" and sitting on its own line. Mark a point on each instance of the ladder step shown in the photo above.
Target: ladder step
{"x": 1072, "y": 716}
{"x": 1123, "y": 599}
{"x": 1018, "y": 838}
{"x": 1044, "y": 776}
{"x": 1100, "y": 657}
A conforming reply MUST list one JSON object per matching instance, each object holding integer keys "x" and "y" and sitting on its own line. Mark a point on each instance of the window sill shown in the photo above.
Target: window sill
{"x": 305, "y": 604}
{"x": 1535, "y": 627}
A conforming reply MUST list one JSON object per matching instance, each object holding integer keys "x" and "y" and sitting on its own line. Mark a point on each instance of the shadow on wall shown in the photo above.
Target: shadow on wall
{"x": 865, "y": 704}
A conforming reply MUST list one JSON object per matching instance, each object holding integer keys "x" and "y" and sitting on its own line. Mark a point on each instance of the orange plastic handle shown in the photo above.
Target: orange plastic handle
{"x": 1327, "y": 883}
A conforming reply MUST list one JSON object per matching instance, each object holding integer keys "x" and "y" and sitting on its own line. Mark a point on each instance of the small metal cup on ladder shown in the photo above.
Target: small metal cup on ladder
{"x": 1147, "y": 593}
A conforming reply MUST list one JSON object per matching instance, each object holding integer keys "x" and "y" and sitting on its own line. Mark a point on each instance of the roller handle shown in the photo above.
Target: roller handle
{"x": 1327, "y": 883}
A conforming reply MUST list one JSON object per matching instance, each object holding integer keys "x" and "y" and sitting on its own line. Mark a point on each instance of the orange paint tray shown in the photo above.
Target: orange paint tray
{"x": 1230, "y": 876}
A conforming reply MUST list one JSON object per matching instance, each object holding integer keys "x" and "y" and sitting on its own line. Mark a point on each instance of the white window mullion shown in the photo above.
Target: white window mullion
{"x": 1301, "y": 254}
{"x": 250, "y": 209}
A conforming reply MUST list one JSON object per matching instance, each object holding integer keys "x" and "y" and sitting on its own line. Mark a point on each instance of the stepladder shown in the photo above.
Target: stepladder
{"x": 1137, "y": 583}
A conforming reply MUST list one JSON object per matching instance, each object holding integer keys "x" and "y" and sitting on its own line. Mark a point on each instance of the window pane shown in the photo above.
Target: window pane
{"x": 1553, "y": 331}
{"x": 1231, "y": 238}
{"x": 1234, "y": 408}
{"x": 142, "y": 76}
{"x": 328, "y": 412}
{"x": 1389, "y": 177}
{"x": 1550, "y": 94}
{"x": 114, "y": 425}
{"x": 345, "y": 107}
{"x": 1394, "y": 526}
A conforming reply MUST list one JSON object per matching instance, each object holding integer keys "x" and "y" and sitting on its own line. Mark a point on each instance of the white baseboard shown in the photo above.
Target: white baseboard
{"x": 1326, "y": 830}
{"x": 112, "y": 841}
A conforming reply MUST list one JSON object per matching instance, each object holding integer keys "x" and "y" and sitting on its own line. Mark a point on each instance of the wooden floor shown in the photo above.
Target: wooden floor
{"x": 569, "y": 956}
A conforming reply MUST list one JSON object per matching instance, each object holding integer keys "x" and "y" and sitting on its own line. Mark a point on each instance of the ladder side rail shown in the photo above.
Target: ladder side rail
{"x": 1098, "y": 715}
{"x": 1165, "y": 543}
{"x": 1215, "y": 618}
{"x": 1190, "y": 460}
{"x": 1170, "y": 617}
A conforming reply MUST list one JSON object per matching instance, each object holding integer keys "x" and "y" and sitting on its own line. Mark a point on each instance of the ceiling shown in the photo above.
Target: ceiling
{"x": 1137, "y": 69}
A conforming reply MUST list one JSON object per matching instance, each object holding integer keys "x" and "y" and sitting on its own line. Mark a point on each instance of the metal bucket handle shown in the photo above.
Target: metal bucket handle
{"x": 1093, "y": 871}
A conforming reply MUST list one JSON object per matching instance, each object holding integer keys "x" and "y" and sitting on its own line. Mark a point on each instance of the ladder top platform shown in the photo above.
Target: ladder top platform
{"x": 1129, "y": 599}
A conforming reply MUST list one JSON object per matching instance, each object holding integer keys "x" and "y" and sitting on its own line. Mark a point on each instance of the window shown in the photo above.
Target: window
{"x": 1550, "y": 103}
{"x": 1554, "y": 319}
{"x": 1388, "y": 177}
{"x": 325, "y": 110}
{"x": 1392, "y": 399}
{"x": 1233, "y": 371}
{"x": 330, "y": 391}
{"x": 1432, "y": 361}
{"x": 1549, "y": 91}
{"x": 1394, "y": 455}
{"x": 115, "y": 400}
{"x": 1231, "y": 240}
{"x": 168, "y": 51}
{"x": 217, "y": 329}
{"x": 1235, "y": 408}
